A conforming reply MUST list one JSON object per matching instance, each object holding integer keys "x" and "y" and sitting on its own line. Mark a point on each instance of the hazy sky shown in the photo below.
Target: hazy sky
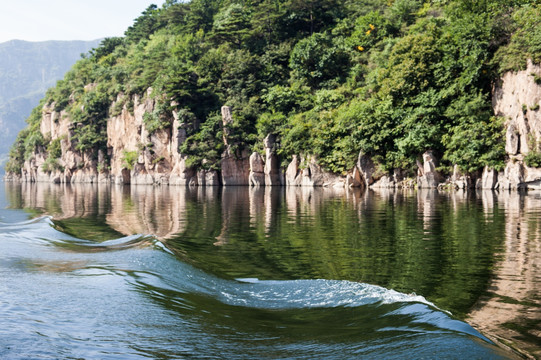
{"x": 40, "y": 20}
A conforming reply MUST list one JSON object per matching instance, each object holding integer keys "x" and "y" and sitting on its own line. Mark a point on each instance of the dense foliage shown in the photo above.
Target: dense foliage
{"x": 329, "y": 78}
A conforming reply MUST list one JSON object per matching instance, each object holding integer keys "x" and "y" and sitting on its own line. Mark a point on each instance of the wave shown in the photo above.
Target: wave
{"x": 132, "y": 295}
{"x": 6, "y": 226}
{"x": 316, "y": 293}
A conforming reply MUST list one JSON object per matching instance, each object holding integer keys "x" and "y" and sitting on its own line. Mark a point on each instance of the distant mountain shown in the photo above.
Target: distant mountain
{"x": 27, "y": 70}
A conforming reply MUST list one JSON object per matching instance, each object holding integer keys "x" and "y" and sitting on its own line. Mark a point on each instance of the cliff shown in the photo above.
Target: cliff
{"x": 134, "y": 155}
{"x": 517, "y": 97}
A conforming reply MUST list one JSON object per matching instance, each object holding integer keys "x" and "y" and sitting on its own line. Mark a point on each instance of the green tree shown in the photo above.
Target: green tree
{"x": 319, "y": 61}
{"x": 144, "y": 25}
{"x": 107, "y": 46}
{"x": 311, "y": 16}
{"x": 231, "y": 25}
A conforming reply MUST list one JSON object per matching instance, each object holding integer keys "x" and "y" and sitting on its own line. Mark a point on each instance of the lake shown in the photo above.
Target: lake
{"x": 111, "y": 272}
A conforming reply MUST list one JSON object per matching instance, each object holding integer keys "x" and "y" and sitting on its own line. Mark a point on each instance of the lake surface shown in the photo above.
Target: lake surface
{"x": 106, "y": 272}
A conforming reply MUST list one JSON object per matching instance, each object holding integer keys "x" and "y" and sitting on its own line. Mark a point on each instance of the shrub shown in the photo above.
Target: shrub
{"x": 536, "y": 78}
{"x": 55, "y": 149}
{"x": 129, "y": 158}
{"x": 319, "y": 61}
{"x": 158, "y": 119}
{"x": 525, "y": 42}
{"x": 51, "y": 165}
{"x": 533, "y": 159}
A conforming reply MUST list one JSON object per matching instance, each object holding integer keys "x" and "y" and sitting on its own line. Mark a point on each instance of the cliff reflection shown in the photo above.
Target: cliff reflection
{"x": 510, "y": 312}
{"x": 110, "y": 210}
{"x": 159, "y": 211}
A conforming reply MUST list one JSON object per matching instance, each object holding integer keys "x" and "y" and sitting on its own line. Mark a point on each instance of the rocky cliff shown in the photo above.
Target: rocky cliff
{"x": 517, "y": 98}
{"x": 135, "y": 155}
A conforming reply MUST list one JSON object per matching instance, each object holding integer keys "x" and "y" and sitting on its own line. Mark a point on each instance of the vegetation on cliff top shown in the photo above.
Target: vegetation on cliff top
{"x": 391, "y": 78}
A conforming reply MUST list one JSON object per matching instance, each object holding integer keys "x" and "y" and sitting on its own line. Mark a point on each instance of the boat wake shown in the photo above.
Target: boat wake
{"x": 132, "y": 296}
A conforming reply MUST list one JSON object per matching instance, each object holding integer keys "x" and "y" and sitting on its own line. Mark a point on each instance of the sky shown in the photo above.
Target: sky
{"x": 41, "y": 20}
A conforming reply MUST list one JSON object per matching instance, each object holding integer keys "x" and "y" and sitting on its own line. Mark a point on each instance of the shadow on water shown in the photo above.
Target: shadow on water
{"x": 475, "y": 255}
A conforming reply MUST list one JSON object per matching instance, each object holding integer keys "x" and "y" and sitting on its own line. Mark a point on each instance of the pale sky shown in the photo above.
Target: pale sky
{"x": 41, "y": 20}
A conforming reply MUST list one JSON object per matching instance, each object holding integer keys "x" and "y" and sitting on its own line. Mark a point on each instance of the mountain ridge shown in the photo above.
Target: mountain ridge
{"x": 27, "y": 70}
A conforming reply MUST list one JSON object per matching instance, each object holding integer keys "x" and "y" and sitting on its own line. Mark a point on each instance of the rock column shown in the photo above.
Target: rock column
{"x": 235, "y": 164}
{"x": 272, "y": 165}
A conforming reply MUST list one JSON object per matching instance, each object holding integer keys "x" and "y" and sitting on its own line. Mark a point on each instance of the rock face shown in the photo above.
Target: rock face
{"x": 180, "y": 174}
{"x": 266, "y": 172}
{"x": 427, "y": 176}
{"x": 235, "y": 168}
{"x": 517, "y": 97}
{"x": 135, "y": 155}
{"x": 461, "y": 180}
{"x": 272, "y": 164}
{"x": 127, "y": 134}
{"x": 235, "y": 164}
{"x": 155, "y": 157}
{"x": 305, "y": 171}
{"x": 257, "y": 170}
{"x": 206, "y": 178}
{"x": 489, "y": 180}
{"x": 366, "y": 168}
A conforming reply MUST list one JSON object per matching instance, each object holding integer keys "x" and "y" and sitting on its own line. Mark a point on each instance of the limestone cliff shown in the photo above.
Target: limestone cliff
{"x": 135, "y": 155}
{"x": 517, "y": 98}
{"x": 156, "y": 156}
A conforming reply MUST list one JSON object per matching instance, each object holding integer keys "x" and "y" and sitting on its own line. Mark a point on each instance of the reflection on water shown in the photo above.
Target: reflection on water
{"x": 460, "y": 251}
{"x": 511, "y": 309}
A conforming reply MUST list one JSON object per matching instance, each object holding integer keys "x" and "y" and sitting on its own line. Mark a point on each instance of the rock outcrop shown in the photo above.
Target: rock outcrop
{"x": 235, "y": 164}
{"x": 135, "y": 155}
{"x": 305, "y": 171}
{"x": 266, "y": 172}
{"x": 273, "y": 176}
{"x": 489, "y": 179}
{"x": 462, "y": 181}
{"x": 293, "y": 172}
{"x": 427, "y": 176}
{"x": 127, "y": 135}
{"x": 257, "y": 170}
{"x": 517, "y": 97}
{"x": 366, "y": 168}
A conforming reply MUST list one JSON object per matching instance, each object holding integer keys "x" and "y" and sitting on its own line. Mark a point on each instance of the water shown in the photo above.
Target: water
{"x": 104, "y": 272}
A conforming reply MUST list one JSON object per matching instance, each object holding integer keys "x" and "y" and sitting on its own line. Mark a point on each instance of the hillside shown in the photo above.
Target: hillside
{"x": 194, "y": 88}
{"x": 27, "y": 70}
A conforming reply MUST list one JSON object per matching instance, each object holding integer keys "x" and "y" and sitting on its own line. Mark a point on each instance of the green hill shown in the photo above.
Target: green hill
{"x": 329, "y": 78}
